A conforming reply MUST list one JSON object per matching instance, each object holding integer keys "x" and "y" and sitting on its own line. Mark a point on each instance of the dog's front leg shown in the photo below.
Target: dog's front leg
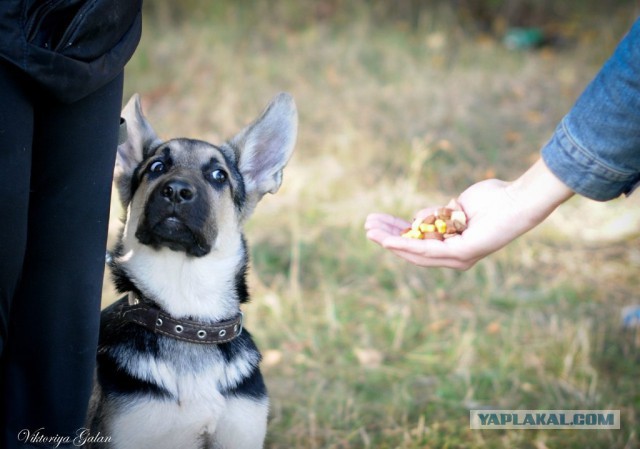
{"x": 164, "y": 424}
{"x": 243, "y": 424}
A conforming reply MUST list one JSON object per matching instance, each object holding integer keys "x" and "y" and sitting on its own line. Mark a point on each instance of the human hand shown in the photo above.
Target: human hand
{"x": 491, "y": 214}
{"x": 497, "y": 213}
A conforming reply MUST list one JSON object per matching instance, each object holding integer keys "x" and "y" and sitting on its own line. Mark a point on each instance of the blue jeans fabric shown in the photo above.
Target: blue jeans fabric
{"x": 595, "y": 149}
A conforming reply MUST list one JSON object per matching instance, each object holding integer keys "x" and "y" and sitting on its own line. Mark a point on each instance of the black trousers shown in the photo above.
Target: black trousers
{"x": 56, "y": 165}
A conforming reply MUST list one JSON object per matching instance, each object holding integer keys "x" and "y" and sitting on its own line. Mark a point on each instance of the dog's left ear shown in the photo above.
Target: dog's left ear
{"x": 140, "y": 139}
{"x": 264, "y": 148}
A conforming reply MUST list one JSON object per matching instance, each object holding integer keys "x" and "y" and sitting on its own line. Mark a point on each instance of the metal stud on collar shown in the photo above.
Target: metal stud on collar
{"x": 202, "y": 333}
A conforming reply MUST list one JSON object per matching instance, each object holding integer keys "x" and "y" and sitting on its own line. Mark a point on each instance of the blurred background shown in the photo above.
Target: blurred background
{"x": 403, "y": 104}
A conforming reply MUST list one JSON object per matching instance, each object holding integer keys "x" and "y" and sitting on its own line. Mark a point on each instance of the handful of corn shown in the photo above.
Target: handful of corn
{"x": 442, "y": 224}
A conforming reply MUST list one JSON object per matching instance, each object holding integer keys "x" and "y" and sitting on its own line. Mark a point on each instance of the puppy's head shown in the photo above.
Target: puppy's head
{"x": 187, "y": 195}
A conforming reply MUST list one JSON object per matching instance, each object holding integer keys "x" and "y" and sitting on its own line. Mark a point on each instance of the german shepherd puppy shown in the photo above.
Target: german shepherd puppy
{"x": 175, "y": 367}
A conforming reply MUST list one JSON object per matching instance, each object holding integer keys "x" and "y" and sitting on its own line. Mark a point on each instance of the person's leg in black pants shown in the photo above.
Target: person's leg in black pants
{"x": 49, "y": 350}
{"x": 16, "y": 133}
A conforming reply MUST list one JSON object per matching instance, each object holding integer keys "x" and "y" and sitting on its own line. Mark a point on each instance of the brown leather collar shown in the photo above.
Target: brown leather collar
{"x": 154, "y": 319}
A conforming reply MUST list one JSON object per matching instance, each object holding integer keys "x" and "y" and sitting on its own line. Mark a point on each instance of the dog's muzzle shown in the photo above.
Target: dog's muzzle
{"x": 176, "y": 216}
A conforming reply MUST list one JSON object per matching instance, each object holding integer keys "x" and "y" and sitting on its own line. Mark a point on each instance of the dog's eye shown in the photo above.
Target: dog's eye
{"x": 157, "y": 167}
{"x": 219, "y": 176}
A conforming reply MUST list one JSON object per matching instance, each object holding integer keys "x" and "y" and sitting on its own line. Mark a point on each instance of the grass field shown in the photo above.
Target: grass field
{"x": 362, "y": 350}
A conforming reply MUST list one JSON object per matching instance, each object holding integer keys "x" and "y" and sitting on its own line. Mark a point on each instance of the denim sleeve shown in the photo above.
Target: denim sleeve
{"x": 595, "y": 149}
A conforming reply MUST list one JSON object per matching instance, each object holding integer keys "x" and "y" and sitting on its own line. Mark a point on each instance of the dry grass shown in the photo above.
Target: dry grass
{"x": 361, "y": 349}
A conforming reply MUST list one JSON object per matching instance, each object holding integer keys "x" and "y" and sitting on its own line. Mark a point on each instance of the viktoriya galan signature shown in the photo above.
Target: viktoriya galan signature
{"x": 82, "y": 437}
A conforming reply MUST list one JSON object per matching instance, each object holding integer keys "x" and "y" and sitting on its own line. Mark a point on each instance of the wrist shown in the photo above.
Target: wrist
{"x": 539, "y": 192}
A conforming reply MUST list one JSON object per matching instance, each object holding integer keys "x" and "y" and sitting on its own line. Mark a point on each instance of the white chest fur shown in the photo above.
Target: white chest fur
{"x": 197, "y": 410}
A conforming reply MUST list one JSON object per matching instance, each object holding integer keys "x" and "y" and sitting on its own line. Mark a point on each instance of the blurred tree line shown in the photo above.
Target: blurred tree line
{"x": 518, "y": 23}
{"x": 480, "y": 15}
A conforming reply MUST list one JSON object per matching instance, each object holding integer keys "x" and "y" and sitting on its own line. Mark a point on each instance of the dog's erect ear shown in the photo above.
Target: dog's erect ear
{"x": 140, "y": 138}
{"x": 264, "y": 148}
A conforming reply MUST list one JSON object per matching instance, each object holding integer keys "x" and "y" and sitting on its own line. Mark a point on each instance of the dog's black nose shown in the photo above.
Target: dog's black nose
{"x": 178, "y": 191}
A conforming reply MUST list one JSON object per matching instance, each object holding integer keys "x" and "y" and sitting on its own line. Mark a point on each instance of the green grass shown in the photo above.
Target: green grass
{"x": 361, "y": 349}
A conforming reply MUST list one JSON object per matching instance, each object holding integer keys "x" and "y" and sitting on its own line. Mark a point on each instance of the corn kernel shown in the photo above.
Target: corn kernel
{"x": 441, "y": 226}
{"x": 413, "y": 234}
{"x": 424, "y": 227}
